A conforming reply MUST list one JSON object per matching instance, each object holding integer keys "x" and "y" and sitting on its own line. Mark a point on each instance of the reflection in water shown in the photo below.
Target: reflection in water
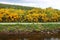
{"x": 42, "y": 39}
{"x": 52, "y": 39}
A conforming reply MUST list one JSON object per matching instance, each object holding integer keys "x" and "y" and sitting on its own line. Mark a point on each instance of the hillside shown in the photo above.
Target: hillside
{"x": 16, "y": 13}
{"x": 15, "y": 6}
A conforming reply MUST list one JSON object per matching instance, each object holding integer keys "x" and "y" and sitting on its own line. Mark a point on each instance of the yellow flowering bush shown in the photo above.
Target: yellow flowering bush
{"x": 33, "y": 15}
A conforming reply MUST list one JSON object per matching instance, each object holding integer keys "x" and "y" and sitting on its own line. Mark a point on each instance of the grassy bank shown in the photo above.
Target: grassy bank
{"x": 29, "y": 32}
{"x": 29, "y": 27}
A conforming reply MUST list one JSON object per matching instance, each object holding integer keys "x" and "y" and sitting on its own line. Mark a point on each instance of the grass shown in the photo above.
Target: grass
{"x": 29, "y": 27}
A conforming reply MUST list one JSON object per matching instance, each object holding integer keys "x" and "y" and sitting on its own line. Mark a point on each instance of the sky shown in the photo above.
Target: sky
{"x": 34, "y": 3}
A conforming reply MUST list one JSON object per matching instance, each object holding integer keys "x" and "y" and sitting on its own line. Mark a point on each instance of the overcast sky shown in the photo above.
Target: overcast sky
{"x": 34, "y": 3}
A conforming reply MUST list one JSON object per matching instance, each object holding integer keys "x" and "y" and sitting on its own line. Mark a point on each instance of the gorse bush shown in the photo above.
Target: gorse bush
{"x": 33, "y": 15}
